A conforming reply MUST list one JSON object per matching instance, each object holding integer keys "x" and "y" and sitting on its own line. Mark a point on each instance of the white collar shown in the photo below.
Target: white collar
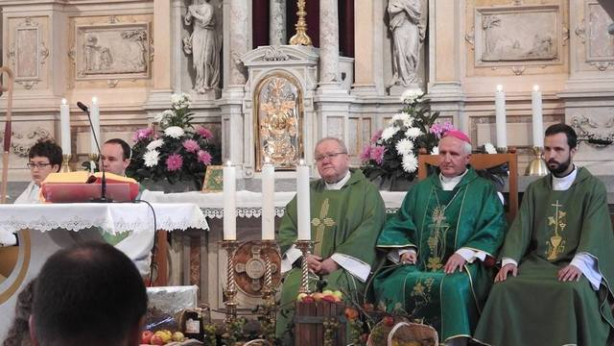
{"x": 564, "y": 183}
{"x": 448, "y": 184}
{"x": 338, "y": 185}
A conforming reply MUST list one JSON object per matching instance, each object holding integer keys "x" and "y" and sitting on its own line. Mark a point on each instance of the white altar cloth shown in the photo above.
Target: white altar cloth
{"x": 110, "y": 217}
{"x": 249, "y": 204}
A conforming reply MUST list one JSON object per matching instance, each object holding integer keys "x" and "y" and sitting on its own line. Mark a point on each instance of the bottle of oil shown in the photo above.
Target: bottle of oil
{"x": 193, "y": 325}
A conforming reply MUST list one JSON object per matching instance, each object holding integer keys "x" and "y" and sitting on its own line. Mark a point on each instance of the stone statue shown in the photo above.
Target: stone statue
{"x": 203, "y": 45}
{"x": 408, "y": 27}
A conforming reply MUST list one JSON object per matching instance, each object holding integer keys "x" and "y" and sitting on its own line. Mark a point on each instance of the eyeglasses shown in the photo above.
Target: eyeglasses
{"x": 321, "y": 158}
{"x": 32, "y": 165}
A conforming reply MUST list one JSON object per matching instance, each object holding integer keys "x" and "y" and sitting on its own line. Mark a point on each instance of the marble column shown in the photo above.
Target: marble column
{"x": 446, "y": 59}
{"x": 368, "y": 46}
{"x": 329, "y": 43}
{"x": 161, "y": 65}
{"x": 277, "y": 22}
{"x": 237, "y": 42}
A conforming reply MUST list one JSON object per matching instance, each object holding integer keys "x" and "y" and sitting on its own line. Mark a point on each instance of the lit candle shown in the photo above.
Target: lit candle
{"x": 538, "y": 119}
{"x": 268, "y": 205}
{"x": 501, "y": 122}
{"x": 65, "y": 127}
{"x": 303, "y": 206}
{"x": 95, "y": 116}
{"x": 230, "y": 210}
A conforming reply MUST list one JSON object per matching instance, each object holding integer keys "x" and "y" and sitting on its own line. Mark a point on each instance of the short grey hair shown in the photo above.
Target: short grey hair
{"x": 339, "y": 142}
{"x": 467, "y": 147}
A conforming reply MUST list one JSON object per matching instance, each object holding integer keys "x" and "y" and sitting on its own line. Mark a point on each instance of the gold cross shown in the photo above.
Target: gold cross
{"x": 321, "y": 224}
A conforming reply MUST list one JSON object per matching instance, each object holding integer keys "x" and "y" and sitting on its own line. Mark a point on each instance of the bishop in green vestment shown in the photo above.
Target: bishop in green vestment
{"x": 558, "y": 259}
{"x": 347, "y": 214}
{"x": 447, "y": 225}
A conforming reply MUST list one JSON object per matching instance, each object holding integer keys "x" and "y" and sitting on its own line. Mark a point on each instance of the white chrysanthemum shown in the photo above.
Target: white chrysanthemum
{"x": 160, "y": 117}
{"x": 489, "y": 148}
{"x": 413, "y": 132}
{"x": 410, "y": 163}
{"x": 151, "y": 158}
{"x": 155, "y": 144}
{"x": 404, "y": 146}
{"x": 410, "y": 95}
{"x": 435, "y": 151}
{"x": 409, "y": 122}
{"x": 181, "y": 100}
{"x": 174, "y": 131}
{"x": 389, "y": 132}
{"x": 400, "y": 116}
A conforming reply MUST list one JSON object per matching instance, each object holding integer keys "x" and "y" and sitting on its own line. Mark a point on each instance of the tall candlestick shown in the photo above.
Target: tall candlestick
{"x": 268, "y": 205}
{"x": 303, "y": 204}
{"x": 95, "y": 115}
{"x": 65, "y": 127}
{"x": 230, "y": 210}
{"x": 501, "y": 122}
{"x": 538, "y": 119}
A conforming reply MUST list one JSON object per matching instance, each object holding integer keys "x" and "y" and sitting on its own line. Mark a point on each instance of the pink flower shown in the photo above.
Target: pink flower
{"x": 141, "y": 134}
{"x": 439, "y": 129}
{"x": 376, "y": 136}
{"x": 174, "y": 162}
{"x": 191, "y": 145}
{"x": 204, "y": 157}
{"x": 377, "y": 154}
{"x": 365, "y": 155}
{"x": 204, "y": 132}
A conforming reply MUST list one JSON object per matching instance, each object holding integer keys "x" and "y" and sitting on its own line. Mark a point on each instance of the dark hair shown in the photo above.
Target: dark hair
{"x": 19, "y": 334}
{"x": 572, "y": 138}
{"x": 124, "y": 145}
{"x": 91, "y": 294}
{"x": 47, "y": 148}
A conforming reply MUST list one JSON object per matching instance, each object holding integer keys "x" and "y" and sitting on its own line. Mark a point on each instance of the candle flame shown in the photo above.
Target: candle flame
{"x": 267, "y": 160}
{"x": 499, "y": 87}
{"x": 228, "y": 163}
{"x": 536, "y": 87}
{"x": 64, "y": 101}
{"x": 301, "y": 162}
{"x": 94, "y": 99}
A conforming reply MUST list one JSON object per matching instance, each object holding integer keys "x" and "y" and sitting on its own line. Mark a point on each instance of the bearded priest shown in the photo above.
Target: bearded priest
{"x": 558, "y": 259}
{"x": 447, "y": 226}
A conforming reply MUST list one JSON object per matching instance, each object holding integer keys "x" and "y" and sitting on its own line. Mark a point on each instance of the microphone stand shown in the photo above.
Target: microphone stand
{"x": 103, "y": 183}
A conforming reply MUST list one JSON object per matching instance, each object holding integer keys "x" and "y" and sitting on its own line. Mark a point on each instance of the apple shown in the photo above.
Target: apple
{"x": 165, "y": 335}
{"x": 178, "y": 336}
{"x": 337, "y": 299}
{"x": 146, "y": 336}
{"x": 329, "y": 298}
{"x": 301, "y": 296}
{"x": 327, "y": 292}
{"x": 308, "y": 299}
{"x": 351, "y": 313}
{"x": 156, "y": 339}
{"x": 388, "y": 321}
{"x": 317, "y": 296}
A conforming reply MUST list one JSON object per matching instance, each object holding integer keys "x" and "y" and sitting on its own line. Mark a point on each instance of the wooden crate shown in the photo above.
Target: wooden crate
{"x": 309, "y": 322}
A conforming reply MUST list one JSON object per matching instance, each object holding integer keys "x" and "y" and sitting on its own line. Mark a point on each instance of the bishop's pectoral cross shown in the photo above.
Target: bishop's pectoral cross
{"x": 556, "y": 244}
{"x": 436, "y": 240}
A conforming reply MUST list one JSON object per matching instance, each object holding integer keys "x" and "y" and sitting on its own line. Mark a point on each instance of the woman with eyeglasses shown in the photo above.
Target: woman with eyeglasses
{"x": 43, "y": 158}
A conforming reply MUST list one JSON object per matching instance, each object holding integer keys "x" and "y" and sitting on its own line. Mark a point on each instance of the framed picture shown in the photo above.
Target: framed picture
{"x": 214, "y": 179}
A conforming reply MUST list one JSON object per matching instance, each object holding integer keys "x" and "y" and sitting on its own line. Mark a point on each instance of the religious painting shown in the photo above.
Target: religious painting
{"x": 214, "y": 179}
{"x": 112, "y": 51}
{"x": 278, "y": 121}
{"x": 505, "y": 35}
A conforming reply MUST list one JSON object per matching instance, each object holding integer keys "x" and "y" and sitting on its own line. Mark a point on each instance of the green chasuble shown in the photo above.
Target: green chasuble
{"x": 437, "y": 223}
{"x": 534, "y": 308}
{"x": 345, "y": 221}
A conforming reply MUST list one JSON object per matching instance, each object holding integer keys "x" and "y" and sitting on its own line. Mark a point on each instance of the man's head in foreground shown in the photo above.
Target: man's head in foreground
{"x": 91, "y": 294}
{"x": 454, "y": 153}
{"x": 332, "y": 159}
{"x": 115, "y": 156}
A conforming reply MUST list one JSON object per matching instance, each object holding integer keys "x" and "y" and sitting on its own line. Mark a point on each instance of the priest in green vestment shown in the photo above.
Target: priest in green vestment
{"x": 447, "y": 226}
{"x": 347, "y": 214}
{"x": 557, "y": 259}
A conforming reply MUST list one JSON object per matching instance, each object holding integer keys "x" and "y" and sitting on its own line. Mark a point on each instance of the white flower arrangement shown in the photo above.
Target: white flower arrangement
{"x": 155, "y": 144}
{"x": 174, "y": 132}
{"x": 182, "y": 100}
{"x": 389, "y": 132}
{"x": 151, "y": 158}
{"x": 412, "y": 95}
{"x": 489, "y": 148}
{"x": 410, "y": 163}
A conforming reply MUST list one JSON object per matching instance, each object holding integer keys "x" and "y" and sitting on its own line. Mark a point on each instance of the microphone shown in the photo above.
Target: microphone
{"x": 103, "y": 184}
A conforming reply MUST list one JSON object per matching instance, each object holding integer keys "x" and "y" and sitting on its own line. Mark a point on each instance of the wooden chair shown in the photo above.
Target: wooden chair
{"x": 484, "y": 161}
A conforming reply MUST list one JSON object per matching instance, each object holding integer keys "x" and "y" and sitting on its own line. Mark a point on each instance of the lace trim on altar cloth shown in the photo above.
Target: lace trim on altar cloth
{"x": 218, "y": 213}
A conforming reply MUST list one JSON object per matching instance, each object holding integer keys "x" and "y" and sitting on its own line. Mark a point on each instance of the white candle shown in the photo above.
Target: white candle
{"x": 501, "y": 122}
{"x": 268, "y": 205}
{"x": 303, "y": 205}
{"x": 538, "y": 119}
{"x": 95, "y": 116}
{"x": 65, "y": 127}
{"x": 230, "y": 209}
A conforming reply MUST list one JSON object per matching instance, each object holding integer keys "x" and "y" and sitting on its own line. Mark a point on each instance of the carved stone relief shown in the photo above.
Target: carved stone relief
{"x": 27, "y": 49}
{"x": 600, "y": 42}
{"x": 597, "y": 133}
{"x": 508, "y": 35}
{"x": 22, "y": 141}
{"x": 112, "y": 51}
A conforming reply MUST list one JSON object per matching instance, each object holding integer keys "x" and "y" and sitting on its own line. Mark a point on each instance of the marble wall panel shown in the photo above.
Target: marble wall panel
{"x": 27, "y": 51}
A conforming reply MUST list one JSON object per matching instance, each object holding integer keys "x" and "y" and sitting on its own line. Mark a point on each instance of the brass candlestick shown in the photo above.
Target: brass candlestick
{"x": 65, "y": 166}
{"x": 268, "y": 320}
{"x": 301, "y": 38}
{"x": 502, "y": 150}
{"x": 538, "y": 165}
{"x": 231, "y": 290}
{"x": 93, "y": 159}
{"x": 305, "y": 247}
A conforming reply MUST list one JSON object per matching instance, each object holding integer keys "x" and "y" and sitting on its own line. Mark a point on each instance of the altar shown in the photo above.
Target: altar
{"x": 43, "y": 229}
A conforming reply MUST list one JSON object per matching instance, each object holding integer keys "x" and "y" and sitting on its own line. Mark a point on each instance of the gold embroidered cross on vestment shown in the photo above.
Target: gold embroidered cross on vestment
{"x": 321, "y": 224}
{"x": 558, "y": 222}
